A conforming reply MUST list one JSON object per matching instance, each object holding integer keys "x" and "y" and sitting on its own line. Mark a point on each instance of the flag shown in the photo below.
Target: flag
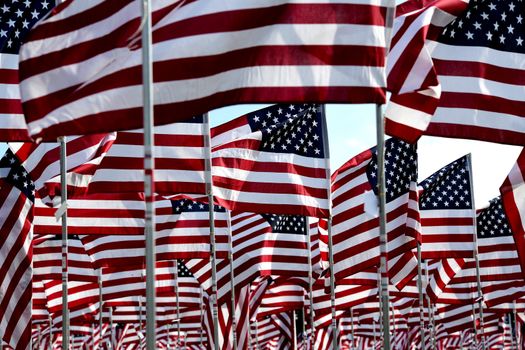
{"x": 477, "y": 61}
{"x": 355, "y": 226}
{"x": 179, "y": 161}
{"x": 272, "y": 161}
{"x": 248, "y": 52}
{"x": 513, "y": 197}
{"x": 16, "y": 234}
{"x": 16, "y": 19}
{"x": 447, "y": 212}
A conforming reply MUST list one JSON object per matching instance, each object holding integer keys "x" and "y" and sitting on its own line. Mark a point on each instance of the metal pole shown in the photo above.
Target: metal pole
{"x": 383, "y": 239}
{"x": 177, "y": 304}
{"x": 430, "y": 312}
{"x": 475, "y": 338}
{"x": 50, "y": 333}
{"x": 515, "y": 329}
{"x": 140, "y": 313}
{"x": 232, "y": 282}
{"x": 111, "y": 333}
{"x": 149, "y": 184}
{"x": 101, "y": 307}
{"x": 476, "y": 253}
{"x": 202, "y": 317}
{"x": 310, "y": 286}
{"x": 63, "y": 188}
{"x": 352, "y": 337}
{"x": 375, "y": 335}
{"x": 294, "y": 330}
{"x": 326, "y": 146}
{"x": 420, "y": 289}
{"x": 209, "y": 188}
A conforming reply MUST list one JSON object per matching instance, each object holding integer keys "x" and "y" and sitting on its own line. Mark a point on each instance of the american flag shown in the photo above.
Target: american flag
{"x": 355, "y": 207}
{"x": 47, "y": 260}
{"x": 477, "y": 61}
{"x": 16, "y": 19}
{"x": 179, "y": 161}
{"x": 249, "y": 52}
{"x": 447, "y": 212}
{"x": 263, "y": 245}
{"x": 513, "y": 197}
{"x": 16, "y": 234}
{"x": 272, "y": 161}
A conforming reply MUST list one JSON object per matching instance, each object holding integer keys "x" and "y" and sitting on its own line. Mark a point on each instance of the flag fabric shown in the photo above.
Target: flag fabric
{"x": 272, "y": 161}
{"x": 16, "y": 19}
{"x": 477, "y": 61}
{"x": 447, "y": 213}
{"x": 355, "y": 227}
{"x": 281, "y": 51}
{"x": 16, "y": 234}
{"x": 179, "y": 161}
{"x": 513, "y": 197}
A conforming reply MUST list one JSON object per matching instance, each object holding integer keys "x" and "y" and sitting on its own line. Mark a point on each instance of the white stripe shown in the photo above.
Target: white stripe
{"x": 482, "y": 86}
{"x": 470, "y": 117}
{"x": 9, "y": 61}
{"x": 12, "y": 121}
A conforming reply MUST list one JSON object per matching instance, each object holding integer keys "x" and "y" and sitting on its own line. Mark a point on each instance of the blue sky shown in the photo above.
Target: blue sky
{"x": 351, "y": 130}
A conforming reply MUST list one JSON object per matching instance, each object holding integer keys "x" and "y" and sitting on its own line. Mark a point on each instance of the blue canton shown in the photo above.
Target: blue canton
{"x": 186, "y": 205}
{"x": 449, "y": 188}
{"x": 182, "y": 270}
{"x": 400, "y": 168}
{"x": 492, "y": 221}
{"x": 14, "y": 174}
{"x": 294, "y": 128}
{"x": 497, "y": 24}
{"x": 16, "y": 19}
{"x": 294, "y": 224}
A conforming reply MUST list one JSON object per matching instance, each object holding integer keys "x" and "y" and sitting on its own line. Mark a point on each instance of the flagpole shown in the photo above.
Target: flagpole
{"x": 326, "y": 147}
{"x": 294, "y": 330}
{"x": 476, "y": 255}
{"x": 177, "y": 304}
{"x": 111, "y": 333}
{"x": 202, "y": 317}
{"x": 149, "y": 184}
{"x": 352, "y": 329}
{"x": 63, "y": 209}
{"x": 50, "y": 333}
{"x": 232, "y": 281}
{"x": 101, "y": 307}
{"x": 140, "y": 313}
{"x": 514, "y": 321}
{"x": 383, "y": 239}
{"x": 310, "y": 284}
{"x": 213, "y": 258}
{"x": 421, "y": 303}
{"x": 430, "y": 311}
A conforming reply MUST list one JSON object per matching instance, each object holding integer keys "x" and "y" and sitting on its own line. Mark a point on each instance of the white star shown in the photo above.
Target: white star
{"x": 503, "y": 16}
{"x": 45, "y": 4}
{"x": 519, "y": 19}
{"x": 25, "y": 24}
{"x": 9, "y": 43}
{"x": 496, "y": 26}
{"x": 256, "y": 119}
{"x": 477, "y": 25}
{"x": 34, "y": 14}
{"x": 19, "y": 13}
{"x": 27, "y": 3}
{"x": 4, "y": 8}
{"x": 501, "y": 39}
{"x": 11, "y": 23}
{"x": 3, "y": 33}
{"x": 485, "y": 16}
{"x": 492, "y": 6}
{"x": 510, "y": 29}
{"x": 470, "y": 35}
{"x": 519, "y": 41}
{"x": 489, "y": 35}
{"x": 511, "y": 6}
{"x": 17, "y": 33}
{"x": 452, "y": 33}
{"x": 292, "y": 107}
{"x": 460, "y": 24}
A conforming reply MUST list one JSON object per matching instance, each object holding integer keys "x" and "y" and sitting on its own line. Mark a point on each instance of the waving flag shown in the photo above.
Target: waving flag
{"x": 16, "y": 19}
{"x": 447, "y": 212}
{"x": 513, "y": 196}
{"x": 477, "y": 61}
{"x": 205, "y": 56}
{"x": 355, "y": 213}
{"x": 272, "y": 161}
{"x": 16, "y": 234}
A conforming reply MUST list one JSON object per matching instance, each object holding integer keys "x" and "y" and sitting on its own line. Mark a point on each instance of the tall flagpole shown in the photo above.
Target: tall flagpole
{"x": 352, "y": 336}
{"x": 209, "y": 190}
{"x": 101, "y": 307}
{"x": 63, "y": 210}
{"x": 310, "y": 284}
{"x": 177, "y": 296}
{"x": 420, "y": 290}
{"x": 326, "y": 147}
{"x": 111, "y": 332}
{"x": 514, "y": 332}
{"x": 383, "y": 239}
{"x": 430, "y": 312}
{"x": 294, "y": 330}
{"x": 201, "y": 318}
{"x": 149, "y": 184}
{"x": 232, "y": 281}
{"x": 50, "y": 333}
{"x": 476, "y": 255}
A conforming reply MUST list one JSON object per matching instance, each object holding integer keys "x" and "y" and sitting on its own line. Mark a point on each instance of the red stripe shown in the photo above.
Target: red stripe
{"x": 8, "y": 76}
{"x": 161, "y": 140}
{"x": 288, "y": 209}
{"x": 10, "y": 106}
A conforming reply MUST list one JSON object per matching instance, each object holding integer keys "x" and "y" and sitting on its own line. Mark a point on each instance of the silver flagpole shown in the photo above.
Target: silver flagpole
{"x": 430, "y": 312}
{"x": 213, "y": 258}
{"x": 421, "y": 303}
{"x": 177, "y": 304}
{"x": 101, "y": 307}
{"x": 515, "y": 330}
{"x": 202, "y": 317}
{"x": 352, "y": 336}
{"x": 380, "y": 126}
{"x": 93, "y": 337}
{"x": 476, "y": 255}
{"x": 326, "y": 146}
{"x": 111, "y": 333}
{"x": 375, "y": 335}
{"x": 232, "y": 281}
{"x": 63, "y": 208}
{"x": 294, "y": 330}
{"x": 475, "y": 339}
{"x": 310, "y": 284}
{"x": 50, "y": 333}
{"x": 149, "y": 184}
